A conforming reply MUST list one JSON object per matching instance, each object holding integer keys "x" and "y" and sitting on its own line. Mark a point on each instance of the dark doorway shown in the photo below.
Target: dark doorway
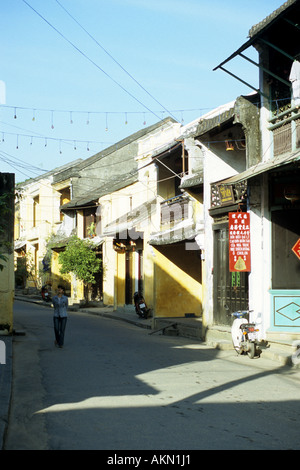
{"x": 229, "y": 289}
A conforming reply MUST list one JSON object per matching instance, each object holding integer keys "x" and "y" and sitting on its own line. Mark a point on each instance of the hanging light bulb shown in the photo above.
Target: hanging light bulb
{"x": 52, "y": 126}
{"x": 229, "y": 145}
{"x": 15, "y": 115}
{"x": 71, "y": 120}
{"x": 33, "y": 117}
{"x": 126, "y": 122}
{"x": 292, "y": 193}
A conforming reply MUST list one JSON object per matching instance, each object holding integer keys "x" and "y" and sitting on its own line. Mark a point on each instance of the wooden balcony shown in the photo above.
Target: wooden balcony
{"x": 175, "y": 210}
{"x": 285, "y": 125}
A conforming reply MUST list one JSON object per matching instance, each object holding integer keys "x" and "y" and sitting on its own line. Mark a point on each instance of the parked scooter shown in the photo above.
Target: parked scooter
{"x": 244, "y": 334}
{"x": 45, "y": 293}
{"x": 141, "y": 308}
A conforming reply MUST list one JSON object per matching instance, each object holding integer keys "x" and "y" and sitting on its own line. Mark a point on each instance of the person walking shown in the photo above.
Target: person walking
{"x": 60, "y": 304}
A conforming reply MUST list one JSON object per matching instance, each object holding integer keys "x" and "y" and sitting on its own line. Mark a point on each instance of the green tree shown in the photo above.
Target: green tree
{"x": 6, "y": 225}
{"x": 80, "y": 258}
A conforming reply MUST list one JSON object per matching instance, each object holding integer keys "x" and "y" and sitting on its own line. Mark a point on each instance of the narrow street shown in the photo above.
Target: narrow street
{"x": 113, "y": 386}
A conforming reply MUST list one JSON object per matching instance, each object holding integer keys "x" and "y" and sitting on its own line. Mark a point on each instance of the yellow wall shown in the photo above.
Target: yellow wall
{"x": 7, "y": 282}
{"x": 109, "y": 272}
{"x": 120, "y": 279}
{"x": 178, "y": 284}
{"x": 116, "y": 205}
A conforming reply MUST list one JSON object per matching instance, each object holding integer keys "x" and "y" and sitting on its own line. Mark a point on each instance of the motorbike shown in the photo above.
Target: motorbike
{"x": 45, "y": 294}
{"x": 244, "y": 334}
{"x": 141, "y": 308}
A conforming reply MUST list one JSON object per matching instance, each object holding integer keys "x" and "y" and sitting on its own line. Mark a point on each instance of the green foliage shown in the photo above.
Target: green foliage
{"x": 5, "y": 212}
{"x": 80, "y": 258}
{"x": 4, "y": 259}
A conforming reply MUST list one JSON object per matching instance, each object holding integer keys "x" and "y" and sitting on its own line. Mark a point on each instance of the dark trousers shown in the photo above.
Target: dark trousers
{"x": 59, "y": 329}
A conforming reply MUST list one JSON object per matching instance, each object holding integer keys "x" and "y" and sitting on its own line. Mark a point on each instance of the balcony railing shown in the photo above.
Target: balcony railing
{"x": 175, "y": 210}
{"x": 285, "y": 125}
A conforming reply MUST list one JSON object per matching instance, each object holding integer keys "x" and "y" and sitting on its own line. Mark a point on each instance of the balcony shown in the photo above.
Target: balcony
{"x": 33, "y": 233}
{"x": 175, "y": 210}
{"x": 285, "y": 125}
{"x": 177, "y": 221}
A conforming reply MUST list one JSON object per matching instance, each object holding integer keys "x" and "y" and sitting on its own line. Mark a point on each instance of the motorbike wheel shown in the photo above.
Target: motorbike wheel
{"x": 251, "y": 350}
{"x": 144, "y": 313}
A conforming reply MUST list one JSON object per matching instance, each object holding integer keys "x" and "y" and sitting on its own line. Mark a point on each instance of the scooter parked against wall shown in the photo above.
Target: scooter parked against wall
{"x": 141, "y": 308}
{"x": 244, "y": 334}
{"x": 45, "y": 293}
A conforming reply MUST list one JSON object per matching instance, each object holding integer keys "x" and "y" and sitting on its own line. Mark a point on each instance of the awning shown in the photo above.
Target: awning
{"x": 184, "y": 231}
{"x": 19, "y": 244}
{"x": 259, "y": 33}
{"x": 262, "y": 168}
{"x": 130, "y": 220}
{"x": 192, "y": 182}
{"x": 61, "y": 245}
{"x": 95, "y": 241}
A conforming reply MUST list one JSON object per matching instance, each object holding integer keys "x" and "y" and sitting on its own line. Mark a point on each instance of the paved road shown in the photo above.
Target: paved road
{"x": 116, "y": 387}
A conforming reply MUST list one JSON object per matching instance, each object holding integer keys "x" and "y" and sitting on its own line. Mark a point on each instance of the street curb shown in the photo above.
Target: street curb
{"x": 93, "y": 311}
{"x": 116, "y": 317}
{"x": 273, "y": 353}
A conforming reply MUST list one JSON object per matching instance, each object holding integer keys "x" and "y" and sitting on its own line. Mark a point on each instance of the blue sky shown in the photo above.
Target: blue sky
{"x": 68, "y": 98}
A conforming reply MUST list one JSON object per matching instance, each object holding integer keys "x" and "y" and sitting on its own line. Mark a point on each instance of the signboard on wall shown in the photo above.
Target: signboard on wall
{"x": 239, "y": 242}
{"x": 226, "y": 194}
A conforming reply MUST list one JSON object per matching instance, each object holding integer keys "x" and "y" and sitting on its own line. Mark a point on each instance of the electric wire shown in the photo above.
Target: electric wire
{"x": 108, "y": 53}
{"x": 89, "y": 59}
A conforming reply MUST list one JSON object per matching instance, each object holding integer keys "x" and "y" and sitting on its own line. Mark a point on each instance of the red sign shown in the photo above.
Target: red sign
{"x": 296, "y": 248}
{"x": 239, "y": 242}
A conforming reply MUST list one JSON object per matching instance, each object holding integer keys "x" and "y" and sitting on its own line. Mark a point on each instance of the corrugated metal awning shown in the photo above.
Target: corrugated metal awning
{"x": 19, "y": 244}
{"x": 184, "y": 231}
{"x": 260, "y": 33}
{"x": 262, "y": 168}
{"x": 61, "y": 245}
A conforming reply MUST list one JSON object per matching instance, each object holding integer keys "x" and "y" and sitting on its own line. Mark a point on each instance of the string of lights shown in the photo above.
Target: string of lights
{"x": 15, "y": 112}
{"x": 48, "y": 138}
{"x": 75, "y": 143}
{"x": 88, "y": 113}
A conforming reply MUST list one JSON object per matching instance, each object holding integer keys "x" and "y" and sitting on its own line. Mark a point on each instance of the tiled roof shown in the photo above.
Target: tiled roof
{"x": 273, "y": 16}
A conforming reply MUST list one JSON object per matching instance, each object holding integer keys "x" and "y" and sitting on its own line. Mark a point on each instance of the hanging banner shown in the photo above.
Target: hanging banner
{"x": 239, "y": 242}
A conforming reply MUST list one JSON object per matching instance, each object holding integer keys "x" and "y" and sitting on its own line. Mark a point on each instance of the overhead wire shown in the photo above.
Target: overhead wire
{"x": 89, "y": 59}
{"x": 20, "y": 162}
{"x": 17, "y": 165}
{"x": 110, "y": 55}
